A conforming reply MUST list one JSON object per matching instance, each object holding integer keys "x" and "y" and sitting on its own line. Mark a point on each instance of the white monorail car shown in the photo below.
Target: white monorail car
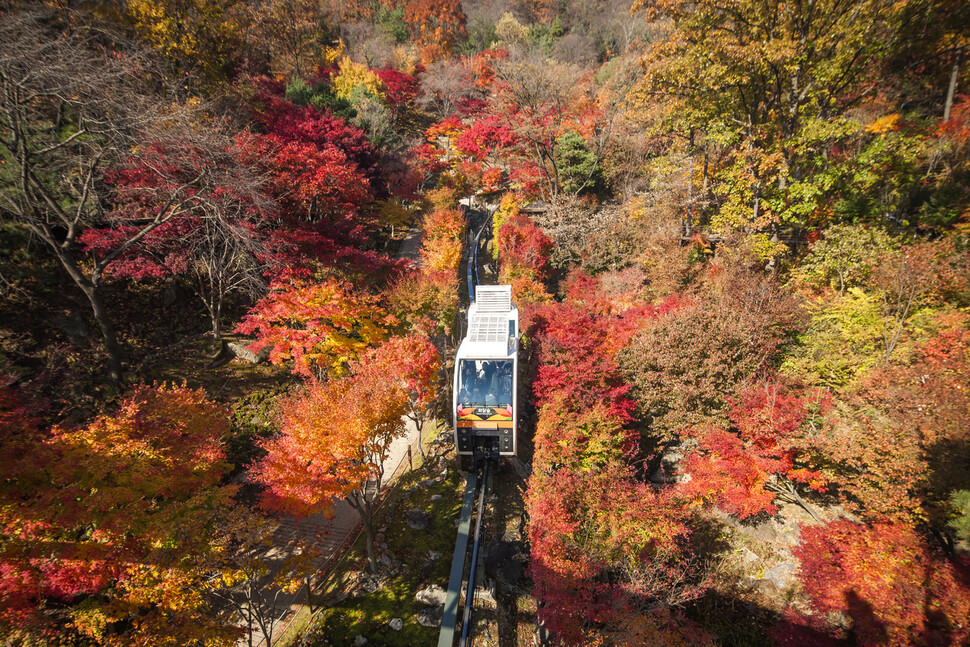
{"x": 486, "y": 368}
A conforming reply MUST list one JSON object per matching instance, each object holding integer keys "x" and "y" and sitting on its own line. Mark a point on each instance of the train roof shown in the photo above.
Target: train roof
{"x": 489, "y": 333}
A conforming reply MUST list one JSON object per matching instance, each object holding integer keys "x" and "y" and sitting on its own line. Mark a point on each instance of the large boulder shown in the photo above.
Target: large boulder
{"x": 432, "y": 596}
{"x": 430, "y": 616}
{"x": 417, "y": 519}
{"x": 502, "y": 563}
{"x": 239, "y": 349}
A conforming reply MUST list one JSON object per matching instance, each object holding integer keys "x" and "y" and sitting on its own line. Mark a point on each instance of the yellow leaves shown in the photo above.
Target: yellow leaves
{"x": 508, "y": 208}
{"x": 884, "y": 124}
{"x": 231, "y": 578}
{"x": 511, "y": 31}
{"x": 351, "y": 76}
{"x": 332, "y": 54}
{"x": 406, "y": 58}
{"x": 395, "y": 213}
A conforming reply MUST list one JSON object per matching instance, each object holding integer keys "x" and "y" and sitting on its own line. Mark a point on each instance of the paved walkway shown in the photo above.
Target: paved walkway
{"x": 411, "y": 246}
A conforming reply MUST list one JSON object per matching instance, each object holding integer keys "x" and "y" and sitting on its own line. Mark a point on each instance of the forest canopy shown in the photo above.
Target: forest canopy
{"x": 738, "y": 235}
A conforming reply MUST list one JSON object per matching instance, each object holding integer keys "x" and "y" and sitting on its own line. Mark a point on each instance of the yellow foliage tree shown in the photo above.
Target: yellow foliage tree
{"x": 195, "y": 36}
{"x": 351, "y": 76}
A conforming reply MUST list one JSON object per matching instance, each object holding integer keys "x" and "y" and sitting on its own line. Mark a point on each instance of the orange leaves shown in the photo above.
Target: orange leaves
{"x": 108, "y": 510}
{"x": 320, "y": 326}
{"x": 410, "y": 364}
{"x": 885, "y": 124}
{"x": 441, "y": 248}
{"x": 334, "y": 438}
{"x": 163, "y": 442}
{"x": 436, "y": 26}
{"x": 888, "y": 582}
{"x": 727, "y": 476}
{"x": 441, "y": 255}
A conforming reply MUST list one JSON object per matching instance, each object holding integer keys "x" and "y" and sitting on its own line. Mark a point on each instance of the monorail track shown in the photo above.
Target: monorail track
{"x": 478, "y": 485}
{"x": 460, "y": 586}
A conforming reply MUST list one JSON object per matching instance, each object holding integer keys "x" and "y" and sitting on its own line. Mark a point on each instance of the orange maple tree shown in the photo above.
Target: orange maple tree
{"x": 334, "y": 441}
{"x": 436, "y": 26}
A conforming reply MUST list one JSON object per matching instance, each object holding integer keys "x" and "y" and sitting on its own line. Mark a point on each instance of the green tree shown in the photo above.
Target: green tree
{"x": 845, "y": 257}
{"x": 579, "y": 169}
{"x": 750, "y": 75}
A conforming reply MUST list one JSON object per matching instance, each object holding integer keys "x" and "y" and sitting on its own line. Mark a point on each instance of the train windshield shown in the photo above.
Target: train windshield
{"x": 485, "y": 382}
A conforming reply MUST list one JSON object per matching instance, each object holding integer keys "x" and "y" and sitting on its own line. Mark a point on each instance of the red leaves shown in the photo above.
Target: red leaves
{"x": 312, "y": 180}
{"x": 486, "y": 137}
{"x": 602, "y": 545}
{"x": 730, "y": 468}
{"x": 889, "y": 583}
{"x": 410, "y": 364}
{"x": 400, "y": 89}
{"x": 725, "y": 474}
{"x": 321, "y": 326}
{"x": 321, "y": 129}
{"x": 524, "y": 257}
{"x": 576, "y": 348}
{"x": 88, "y": 509}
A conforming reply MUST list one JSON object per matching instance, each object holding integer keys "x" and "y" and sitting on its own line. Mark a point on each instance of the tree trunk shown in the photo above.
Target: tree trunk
{"x": 369, "y": 535}
{"x": 358, "y": 501}
{"x": 92, "y": 290}
{"x": 215, "y": 315}
{"x": 107, "y": 331}
{"x": 954, "y": 75}
{"x": 419, "y": 426}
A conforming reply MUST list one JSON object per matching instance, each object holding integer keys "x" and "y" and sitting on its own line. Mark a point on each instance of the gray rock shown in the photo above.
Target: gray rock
{"x": 433, "y": 554}
{"x": 436, "y": 497}
{"x": 432, "y": 596}
{"x": 766, "y": 532}
{"x": 359, "y": 641}
{"x": 73, "y": 326}
{"x": 396, "y": 624}
{"x": 428, "y": 482}
{"x": 238, "y": 349}
{"x": 780, "y": 574}
{"x": 522, "y": 469}
{"x": 372, "y": 584}
{"x": 171, "y": 295}
{"x": 430, "y": 617}
{"x": 749, "y": 556}
{"x": 417, "y": 519}
{"x": 668, "y": 471}
{"x": 485, "y": 595}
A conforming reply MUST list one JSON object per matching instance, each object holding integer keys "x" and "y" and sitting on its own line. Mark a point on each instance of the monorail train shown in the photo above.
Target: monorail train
{"x": 486, "y": 368}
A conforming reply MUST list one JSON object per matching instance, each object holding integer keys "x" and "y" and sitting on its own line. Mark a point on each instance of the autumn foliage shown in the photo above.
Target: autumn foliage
{"x": 319, "y": 326}
{"x": 95, "y": 519}
{"x": 892, "y": 585}
{"x": 333, "y": 438}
